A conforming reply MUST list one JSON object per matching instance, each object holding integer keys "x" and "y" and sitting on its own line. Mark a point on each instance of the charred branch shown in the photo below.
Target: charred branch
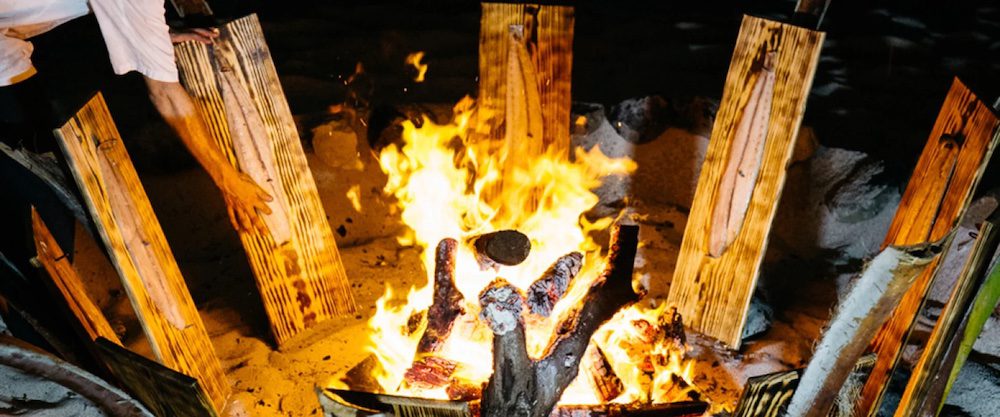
{"x": 546, "y": 292}
{"x": 447, "y": 304}
{"x": 523, "y": 387}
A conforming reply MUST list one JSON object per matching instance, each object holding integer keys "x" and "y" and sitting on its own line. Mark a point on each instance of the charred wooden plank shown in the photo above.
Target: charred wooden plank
{"x": 447, "y": 304}
{"x": 544, "y": 293}
{"x": 547, "y": 39}
{"x": 941, "y": 188}
{"x": 525, "y": 387}
{"x": 932, "y": 366}
{"x": 503, "y": 247}
{"x": 882, "y": 284}
{"x": 165, "y": 391}
{"x": 89, "y": 318}
{"x": 139, "y": 251}
{"x": 302, "y": 282}
{"x": 429, "y": 372}
{"x": 768, "y": 395}
{"x": 713, "y": 292}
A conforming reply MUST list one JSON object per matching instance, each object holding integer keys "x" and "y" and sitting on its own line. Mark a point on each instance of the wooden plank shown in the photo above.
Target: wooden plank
{"x": 297, "y": 266}
{"x": 138, "y": 250}
{"x": 868, "y": 305}
{"x": 939, "y": 191}
{"x": 548, "y": 40}
{"x": 65, "y": 280}
{"x": 768, "y": 395}
{"x": 983, "y": 306}
{"x": 755, "y": 128}
{"x": 164, "y": 391}
{"x": 932, "y": 366}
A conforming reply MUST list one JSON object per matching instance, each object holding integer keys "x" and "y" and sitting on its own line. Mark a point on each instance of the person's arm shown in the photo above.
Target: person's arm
{"x": 241, "y": 193}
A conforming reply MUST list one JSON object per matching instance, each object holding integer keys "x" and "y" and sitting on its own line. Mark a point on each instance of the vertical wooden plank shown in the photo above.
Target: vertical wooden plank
{"x": 164, "y": 391}
{"x": 712, "y": 291}
{"x": 548, "y": 32}
{"x": 302, "y": 281}
{"x": 67, "y": 282}
{"x": 932, "y": 365}
{"x": 139, "y": 251}
{"x": 939, "y": 191}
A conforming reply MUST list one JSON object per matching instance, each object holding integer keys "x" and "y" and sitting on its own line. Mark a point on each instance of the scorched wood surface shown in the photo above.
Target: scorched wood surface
{"x": 744, "y": 171}
{"x": 939, "y": 191}
{"x": 297, "y": 265}
{"x": 134, "y": 241}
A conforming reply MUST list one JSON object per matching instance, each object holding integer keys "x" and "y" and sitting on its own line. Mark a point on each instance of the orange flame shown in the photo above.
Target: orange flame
{"x": 439, "y": 176}
{"x": 414, "y": 60}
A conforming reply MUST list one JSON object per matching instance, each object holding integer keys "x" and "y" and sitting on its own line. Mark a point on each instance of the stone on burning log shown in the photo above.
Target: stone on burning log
{"x": 522, "y": 387}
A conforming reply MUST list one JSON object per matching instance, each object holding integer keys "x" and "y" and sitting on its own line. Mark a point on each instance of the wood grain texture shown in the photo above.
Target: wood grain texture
{"x": 91, "y": 143}
{"x": 769, "y": 395}
{"x": 302, "y": 282}
{"x": 164, "y": 391}
{"x": 932, "y": 366}
{"x": 939, "y": 191}
{"x": 66, "y": 281}
{"x": 548, "y": 34}
{"x": 713, "y": 293}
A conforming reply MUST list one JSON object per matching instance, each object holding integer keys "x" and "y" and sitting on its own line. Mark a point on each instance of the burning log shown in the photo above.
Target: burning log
{"x": 544, "y": 293}
{"x": 447, "y": 305}
{"x": 606, "y": 383}
{"x": 430, "y": 372}
{"x": 504, "y": 247}
{"x": 521, "y": 386}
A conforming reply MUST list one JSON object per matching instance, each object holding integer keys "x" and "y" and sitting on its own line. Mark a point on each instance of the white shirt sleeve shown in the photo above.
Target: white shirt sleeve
{"x": 15, "y": 59}
{"x": 137, "y": 37}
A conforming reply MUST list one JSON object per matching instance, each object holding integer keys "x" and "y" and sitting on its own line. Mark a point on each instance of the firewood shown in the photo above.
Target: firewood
{"x": 937, "y": 196}
{"x": 429, "y": 372}
{"x": 932, "y": 366}
{"x": 606, "y": 382}
{"x": 868, "y": 305}
{"x": 504, "y": 247}
{"x": 447, "y": 304}
{"x": 725, "y": 237}
{"x": 521, "y": 386}
{"x": 544, "y": 293}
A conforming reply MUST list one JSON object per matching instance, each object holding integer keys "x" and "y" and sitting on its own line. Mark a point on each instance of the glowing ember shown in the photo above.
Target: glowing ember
{"x": 439, "y": 176}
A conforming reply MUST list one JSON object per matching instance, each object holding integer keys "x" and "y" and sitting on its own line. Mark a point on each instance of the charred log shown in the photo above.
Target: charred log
{"x": 546, "y": 292}
{"x": 522, "y": 387}
{"x": 447, "y": 304}
{"x": 606, "y": 382}
{"x": 429, "y": 372}
{"x": 504, "y": 247}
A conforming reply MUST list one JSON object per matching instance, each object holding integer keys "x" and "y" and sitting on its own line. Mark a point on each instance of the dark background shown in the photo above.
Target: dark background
{"x": 883, "y": 73}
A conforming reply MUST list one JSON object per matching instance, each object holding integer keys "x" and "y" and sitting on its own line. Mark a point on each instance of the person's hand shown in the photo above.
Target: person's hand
{"x": 245, "y": 200}
{"x": 203, "y": 35}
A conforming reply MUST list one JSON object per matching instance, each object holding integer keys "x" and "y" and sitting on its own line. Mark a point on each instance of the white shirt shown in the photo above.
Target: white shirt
{"x": 135, "y": 33}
